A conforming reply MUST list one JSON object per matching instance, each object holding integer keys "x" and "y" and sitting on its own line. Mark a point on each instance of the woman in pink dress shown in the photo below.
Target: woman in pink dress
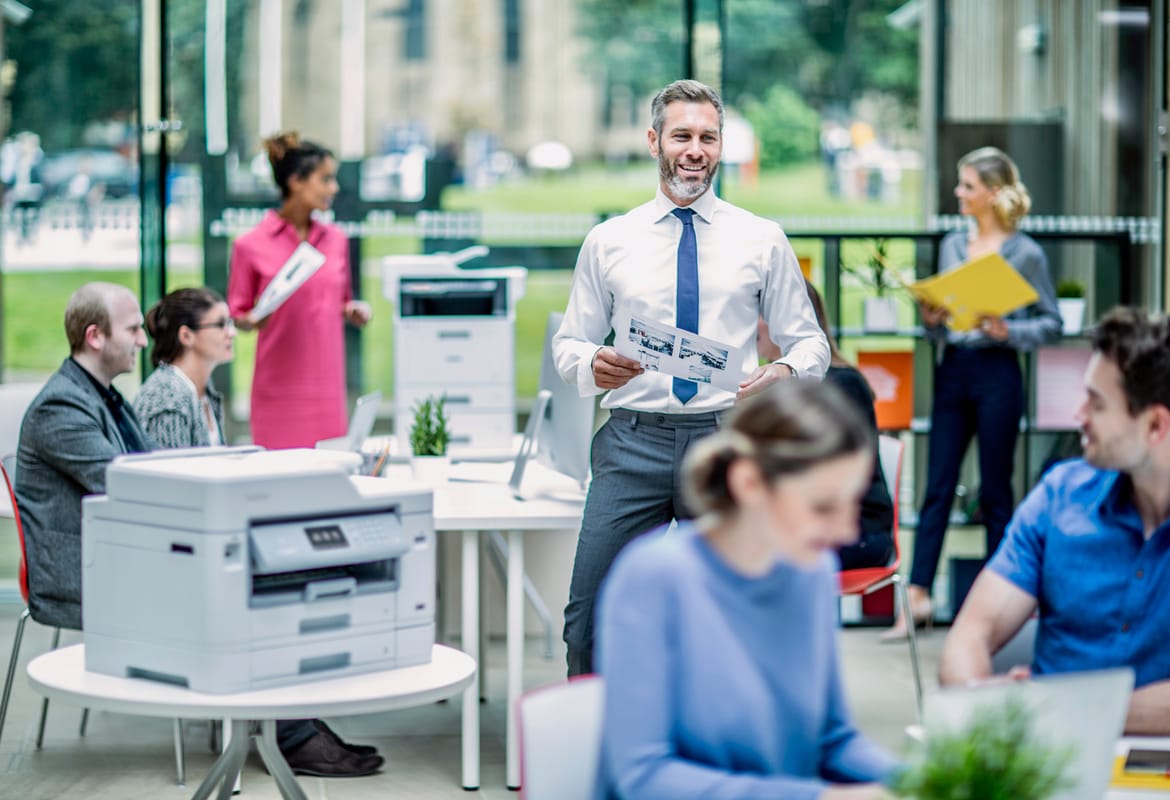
{"x": 298, "y": 388}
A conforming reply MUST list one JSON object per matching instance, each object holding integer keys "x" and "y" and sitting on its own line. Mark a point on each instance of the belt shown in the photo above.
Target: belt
{"x": 707, "y": 419}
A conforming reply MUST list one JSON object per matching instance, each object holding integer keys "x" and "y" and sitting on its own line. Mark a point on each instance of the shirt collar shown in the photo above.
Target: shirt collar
{"x": 111, "y": 395}
{"x": 186, "y": 381}
{"x": 704, "y": 205}
{"x": 1116, "y": 496}
{"x": 274, "y": 225}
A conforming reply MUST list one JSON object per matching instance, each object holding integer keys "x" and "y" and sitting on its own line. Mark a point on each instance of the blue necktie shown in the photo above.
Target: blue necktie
{"x": 686, "y": 299}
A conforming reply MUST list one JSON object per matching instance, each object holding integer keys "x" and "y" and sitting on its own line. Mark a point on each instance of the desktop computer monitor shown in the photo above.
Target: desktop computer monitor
{"x": 560, "y": 429}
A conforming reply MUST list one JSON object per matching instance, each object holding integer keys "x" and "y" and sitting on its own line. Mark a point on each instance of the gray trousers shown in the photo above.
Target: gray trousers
{"x": 636, "y": 487}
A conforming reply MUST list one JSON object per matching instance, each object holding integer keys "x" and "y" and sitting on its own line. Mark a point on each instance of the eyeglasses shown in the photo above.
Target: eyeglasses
{"x": 227, "y": 324}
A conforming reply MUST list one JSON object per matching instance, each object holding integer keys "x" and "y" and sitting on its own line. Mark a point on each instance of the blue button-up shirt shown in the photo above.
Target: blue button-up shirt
{"x": 1076, "y": 544}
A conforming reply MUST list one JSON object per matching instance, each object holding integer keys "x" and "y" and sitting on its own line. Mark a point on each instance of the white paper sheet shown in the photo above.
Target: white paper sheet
{"x": 301, "y": 266}
{"x": 673, "y": 351}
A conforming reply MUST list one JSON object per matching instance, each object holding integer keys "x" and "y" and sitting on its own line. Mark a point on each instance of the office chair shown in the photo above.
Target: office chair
{"x": 8, "y": 471}
{"x": 867, "y": 580}
{"x": 560, "y": 739}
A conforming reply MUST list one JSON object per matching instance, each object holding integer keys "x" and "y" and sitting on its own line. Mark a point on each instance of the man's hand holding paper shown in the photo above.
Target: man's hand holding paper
{"x": 982, "y": 288}
{"x": 659, "y": 347}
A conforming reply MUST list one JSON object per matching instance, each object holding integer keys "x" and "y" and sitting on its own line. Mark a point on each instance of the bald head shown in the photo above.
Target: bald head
{"x": 91, "y": 305}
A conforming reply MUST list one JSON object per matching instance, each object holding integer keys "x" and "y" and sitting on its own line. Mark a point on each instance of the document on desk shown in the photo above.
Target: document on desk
{"x": 673, "y": 351}
{"x": 301, "y": 265}
{"x": 984, "y": 286}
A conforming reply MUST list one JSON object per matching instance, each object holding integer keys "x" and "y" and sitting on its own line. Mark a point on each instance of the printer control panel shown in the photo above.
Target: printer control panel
{"x": 289, "y": 545}
{"x": 322, "y": 537}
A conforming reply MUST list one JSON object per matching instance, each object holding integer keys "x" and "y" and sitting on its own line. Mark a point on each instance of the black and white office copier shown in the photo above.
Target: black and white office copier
{"x": 230, "y": 569}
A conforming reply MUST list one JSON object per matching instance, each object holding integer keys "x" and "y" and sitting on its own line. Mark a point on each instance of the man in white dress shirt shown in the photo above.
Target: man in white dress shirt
{"x": 643, "y": 263}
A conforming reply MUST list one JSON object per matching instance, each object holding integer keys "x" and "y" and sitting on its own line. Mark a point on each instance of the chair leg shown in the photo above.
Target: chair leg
{"x": 180, "y": 756}
{"x": 45, "y": 702}
{"x": 84, "y": 722}
{"x": 12, "y": 667}
{"x": 912, "y": 638}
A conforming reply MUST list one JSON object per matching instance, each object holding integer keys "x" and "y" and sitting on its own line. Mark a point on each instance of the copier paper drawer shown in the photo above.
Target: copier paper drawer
{"x": 349, "y": 655}
{"x": 453, "y": 351}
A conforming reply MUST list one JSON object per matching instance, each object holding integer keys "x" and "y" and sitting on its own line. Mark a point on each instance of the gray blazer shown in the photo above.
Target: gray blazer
{"x": 66, "y": 440}
{"x": 170, "y": 413}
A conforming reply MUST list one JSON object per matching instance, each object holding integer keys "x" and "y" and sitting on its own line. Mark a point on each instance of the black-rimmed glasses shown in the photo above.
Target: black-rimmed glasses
{"x": 227, "y": 324}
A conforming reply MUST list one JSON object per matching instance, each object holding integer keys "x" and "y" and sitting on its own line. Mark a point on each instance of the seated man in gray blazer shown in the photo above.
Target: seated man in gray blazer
{"x": 72, "y": 430}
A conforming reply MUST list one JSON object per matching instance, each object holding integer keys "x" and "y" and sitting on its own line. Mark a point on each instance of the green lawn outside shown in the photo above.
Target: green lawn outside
{"x": 33, "y": 302}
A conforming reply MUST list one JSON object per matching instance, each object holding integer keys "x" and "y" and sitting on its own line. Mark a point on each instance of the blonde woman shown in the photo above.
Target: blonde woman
{"x": 978, "y": 385}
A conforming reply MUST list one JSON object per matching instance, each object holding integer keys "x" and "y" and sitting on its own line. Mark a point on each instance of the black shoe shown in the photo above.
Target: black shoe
{"x": 323, "y": 757}
{"x": 356, "y": 749}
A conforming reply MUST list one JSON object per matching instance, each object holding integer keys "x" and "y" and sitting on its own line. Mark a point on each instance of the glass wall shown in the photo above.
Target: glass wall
{"x": 519, "y": 124}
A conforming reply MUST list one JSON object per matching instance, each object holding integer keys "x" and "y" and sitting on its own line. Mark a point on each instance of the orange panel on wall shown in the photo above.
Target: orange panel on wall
{"x": 891, "y": 376}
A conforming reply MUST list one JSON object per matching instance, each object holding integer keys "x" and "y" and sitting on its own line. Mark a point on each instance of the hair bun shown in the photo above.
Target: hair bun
{"x": 278, "y": 145}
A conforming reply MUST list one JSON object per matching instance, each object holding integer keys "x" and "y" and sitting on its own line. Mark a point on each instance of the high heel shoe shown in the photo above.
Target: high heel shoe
{"x": 921, "y": 612}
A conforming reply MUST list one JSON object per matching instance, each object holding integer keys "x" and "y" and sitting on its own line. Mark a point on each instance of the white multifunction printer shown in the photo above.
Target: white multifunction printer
{"x": 455, "y": 337}
{"x": 230, "y": 569}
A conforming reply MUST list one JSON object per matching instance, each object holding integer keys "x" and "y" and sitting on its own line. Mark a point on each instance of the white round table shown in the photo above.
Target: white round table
{"x": 61, "y": 675}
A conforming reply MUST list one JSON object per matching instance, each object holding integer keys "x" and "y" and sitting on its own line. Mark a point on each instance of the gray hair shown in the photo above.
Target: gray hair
{"x": 686, "y": 91}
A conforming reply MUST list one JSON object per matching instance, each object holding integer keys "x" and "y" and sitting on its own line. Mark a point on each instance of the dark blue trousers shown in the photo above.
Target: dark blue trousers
{"x": 635, "y": 488}
{"x": 977, "y": 392}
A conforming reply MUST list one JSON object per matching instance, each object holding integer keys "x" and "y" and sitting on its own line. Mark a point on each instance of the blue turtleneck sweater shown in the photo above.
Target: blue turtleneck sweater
{"x": 723, "y": 686}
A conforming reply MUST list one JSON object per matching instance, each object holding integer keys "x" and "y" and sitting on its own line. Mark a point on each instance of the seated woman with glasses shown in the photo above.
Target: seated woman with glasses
{"x": 192, "y": 333}
{"x": 718, "y": 644}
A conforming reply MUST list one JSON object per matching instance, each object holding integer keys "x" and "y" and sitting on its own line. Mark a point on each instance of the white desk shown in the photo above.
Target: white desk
{"x": 477, "y": 499}
{"x": 61, "y": 675}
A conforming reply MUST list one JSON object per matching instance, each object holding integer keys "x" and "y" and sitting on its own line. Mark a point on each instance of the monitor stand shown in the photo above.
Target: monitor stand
{"x": 530, "y": 444}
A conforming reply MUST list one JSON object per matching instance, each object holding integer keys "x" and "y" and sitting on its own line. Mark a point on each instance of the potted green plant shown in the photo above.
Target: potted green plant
{"x": 1070, "y": 297}
{"x": 429, "y": 437}
{"x": 996, "y": 756}
{"x": 880, "y": 311}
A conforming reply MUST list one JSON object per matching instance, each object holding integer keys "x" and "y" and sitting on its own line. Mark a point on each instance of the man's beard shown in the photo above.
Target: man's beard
{"x": 680, "y": 188}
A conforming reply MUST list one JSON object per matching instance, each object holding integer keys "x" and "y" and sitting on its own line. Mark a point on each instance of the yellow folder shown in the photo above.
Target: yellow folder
{"x": 984, "y": 286}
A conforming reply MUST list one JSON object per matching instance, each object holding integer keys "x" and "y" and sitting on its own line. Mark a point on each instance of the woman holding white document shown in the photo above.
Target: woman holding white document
{"x": 298, "y": 388}
{"x": 978, "y": 384}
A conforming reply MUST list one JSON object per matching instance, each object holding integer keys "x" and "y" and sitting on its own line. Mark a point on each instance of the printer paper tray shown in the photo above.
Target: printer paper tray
{"x": 260, "y": 667}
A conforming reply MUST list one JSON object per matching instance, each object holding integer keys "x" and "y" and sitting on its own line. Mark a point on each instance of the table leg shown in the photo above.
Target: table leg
{"x": 278, "y": 768}
{"x": 515, "y": 644}
{"x": 470, "y": 641}
{"x": 234, "y": 753}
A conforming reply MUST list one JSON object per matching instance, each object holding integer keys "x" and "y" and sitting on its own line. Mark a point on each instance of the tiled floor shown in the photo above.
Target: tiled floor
{"x": 132, "y": 757}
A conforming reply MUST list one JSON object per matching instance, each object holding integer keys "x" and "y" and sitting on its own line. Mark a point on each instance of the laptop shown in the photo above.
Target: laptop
{"x": 361, "y": 425}
{"x": 1085, "y": 710}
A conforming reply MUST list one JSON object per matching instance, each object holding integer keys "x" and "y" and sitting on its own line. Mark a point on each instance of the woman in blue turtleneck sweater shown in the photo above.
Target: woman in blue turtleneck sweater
{"x": 718, "y": 645}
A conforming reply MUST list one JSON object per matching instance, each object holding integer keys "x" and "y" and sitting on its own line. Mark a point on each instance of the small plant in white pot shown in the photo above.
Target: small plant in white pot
{"x": 1070, "y": 298}
{"x": 429, "y": 437}
{"x": 880, "y": 312}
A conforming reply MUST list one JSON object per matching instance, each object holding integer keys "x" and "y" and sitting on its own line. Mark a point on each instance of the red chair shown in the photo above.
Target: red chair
{"x": 7, "y": 470}
{"x": 560, "y": 739}
{"x": 7, "y": 465}
{"x": 867, "y": 580}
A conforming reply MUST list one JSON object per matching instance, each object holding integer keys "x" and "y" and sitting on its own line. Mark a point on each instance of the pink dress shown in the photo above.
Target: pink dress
{"x": 298, "y": 388}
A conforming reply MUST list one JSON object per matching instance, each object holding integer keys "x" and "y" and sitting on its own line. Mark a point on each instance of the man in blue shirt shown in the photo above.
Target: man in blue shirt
{"x": 1089, "y": 548}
